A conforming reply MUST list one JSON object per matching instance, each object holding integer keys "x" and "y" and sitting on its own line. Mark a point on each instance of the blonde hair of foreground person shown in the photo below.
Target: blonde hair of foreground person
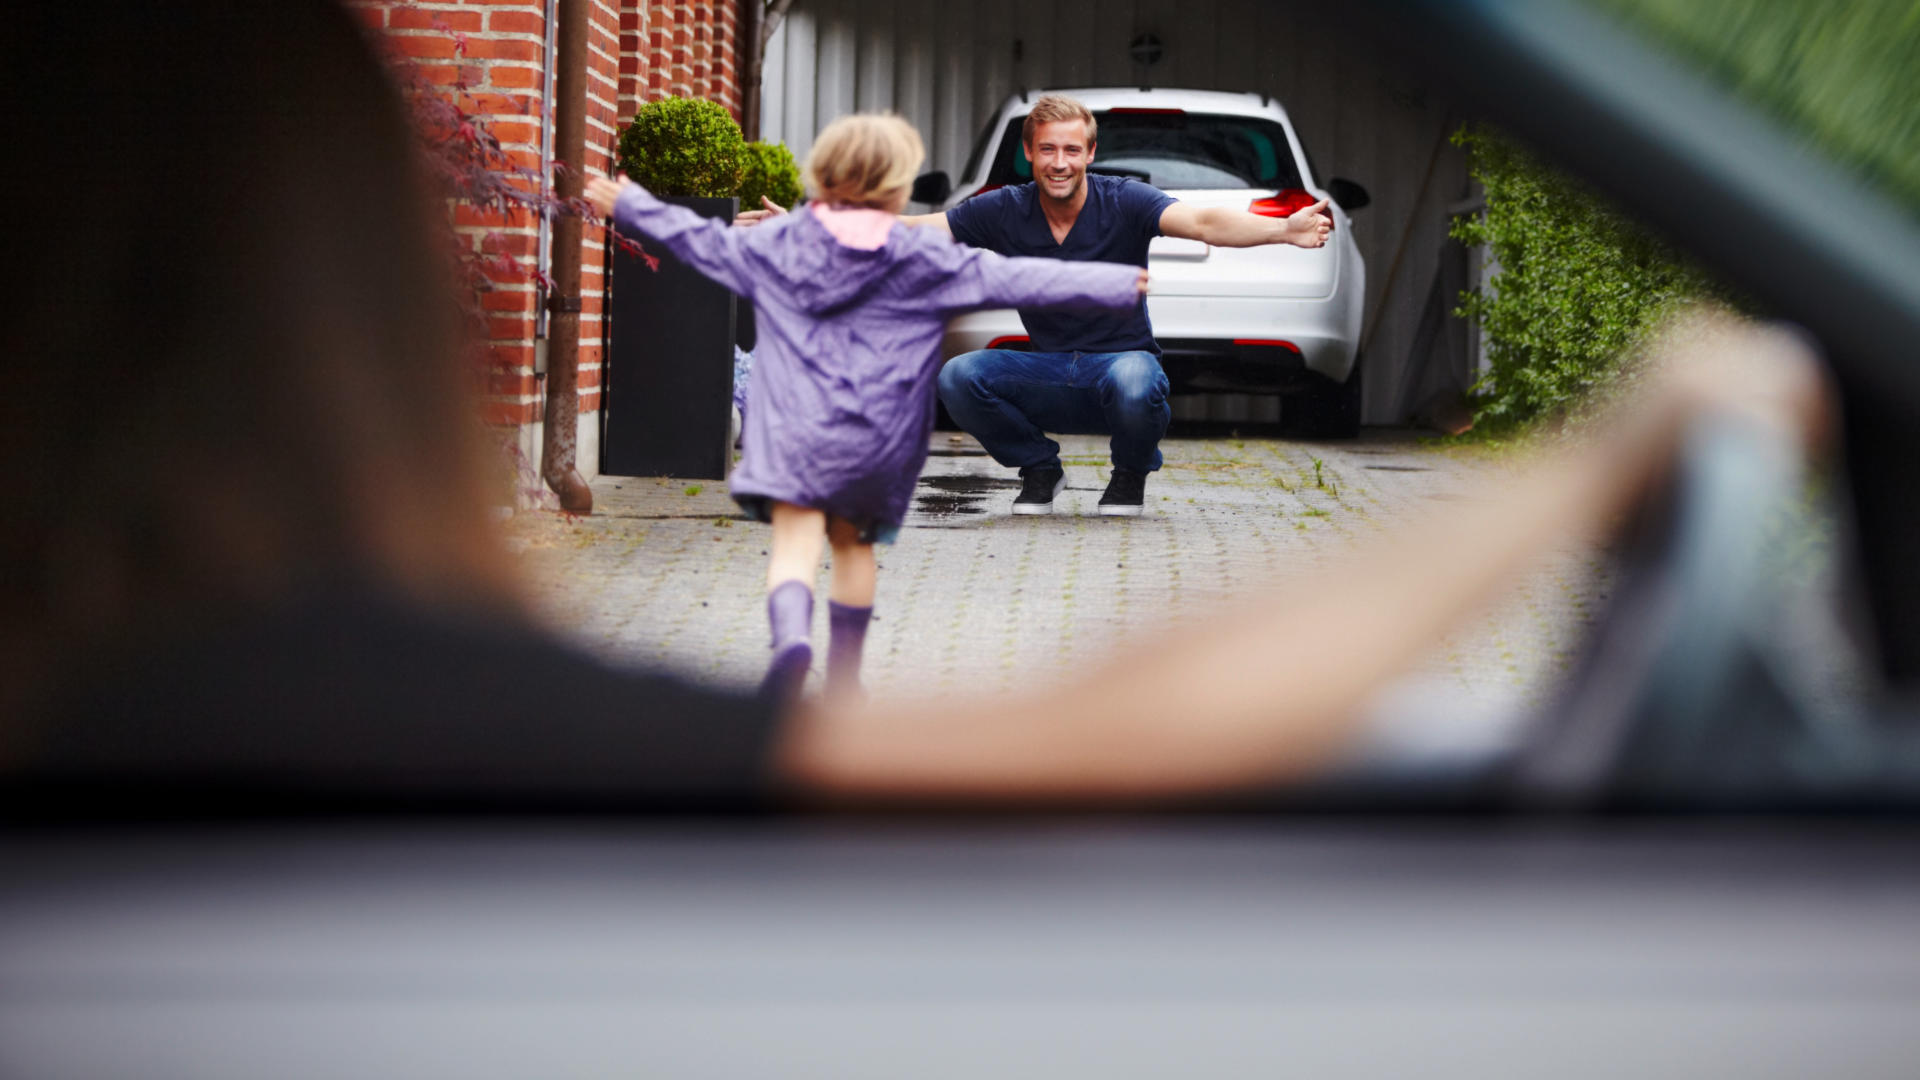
{"x": 242, "y": 378}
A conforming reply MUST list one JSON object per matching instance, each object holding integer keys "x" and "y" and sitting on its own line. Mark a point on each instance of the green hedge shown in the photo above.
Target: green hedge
{"x": 1577, "y": 285}
{"x": 772, "y": 172}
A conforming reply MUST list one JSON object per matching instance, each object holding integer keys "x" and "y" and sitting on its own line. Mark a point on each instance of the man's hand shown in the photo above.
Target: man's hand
{"x": 928, "y": 221}
{"x": 1143, "y": 285}
{"x": 754, "y": 217}
{"x": 1310, "y": 226}
{"x": 603, "y": 193}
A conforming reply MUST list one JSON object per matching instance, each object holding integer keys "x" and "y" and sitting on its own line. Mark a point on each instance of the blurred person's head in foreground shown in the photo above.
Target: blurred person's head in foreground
{"x": 234, "y": 370}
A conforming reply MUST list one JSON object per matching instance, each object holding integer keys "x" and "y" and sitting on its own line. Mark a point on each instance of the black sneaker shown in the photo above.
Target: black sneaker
{"x": 1125, "y": 492}
{"x": 1038, "y": 485}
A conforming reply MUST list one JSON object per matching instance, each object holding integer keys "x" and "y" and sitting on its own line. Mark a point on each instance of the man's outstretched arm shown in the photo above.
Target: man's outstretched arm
{"x": 1223, "y": 226}
{"x": 755, "y": 217}
{"x": 937, "y": 221}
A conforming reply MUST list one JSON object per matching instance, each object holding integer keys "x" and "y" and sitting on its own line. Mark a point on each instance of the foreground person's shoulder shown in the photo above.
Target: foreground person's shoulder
{"x": 358, "y": 696}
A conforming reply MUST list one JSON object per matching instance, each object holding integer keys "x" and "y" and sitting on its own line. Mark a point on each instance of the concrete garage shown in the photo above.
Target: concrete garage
{"x": 946, "y": 67}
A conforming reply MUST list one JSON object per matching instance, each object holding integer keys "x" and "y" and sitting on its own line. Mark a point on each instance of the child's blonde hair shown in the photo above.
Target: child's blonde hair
{"x": 865, "y": 159}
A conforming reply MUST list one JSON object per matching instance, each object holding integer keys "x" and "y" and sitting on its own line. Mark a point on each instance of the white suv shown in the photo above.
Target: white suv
{"x": 1273, "y": 319}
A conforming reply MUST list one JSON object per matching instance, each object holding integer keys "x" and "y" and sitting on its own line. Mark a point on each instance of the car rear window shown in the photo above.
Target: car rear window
{"x": 980, "y": 144}
{"x": 1173, "y": 151}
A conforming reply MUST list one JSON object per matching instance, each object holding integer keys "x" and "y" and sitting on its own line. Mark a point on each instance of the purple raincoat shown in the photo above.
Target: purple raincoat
{"x": 848, "y": 344}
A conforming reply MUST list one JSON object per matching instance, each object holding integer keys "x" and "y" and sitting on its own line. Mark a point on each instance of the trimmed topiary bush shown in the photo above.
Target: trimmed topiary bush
{"x": 1578, "y": 285}
{"x": 772, "y": 172}
{"x": 684, "y": 146}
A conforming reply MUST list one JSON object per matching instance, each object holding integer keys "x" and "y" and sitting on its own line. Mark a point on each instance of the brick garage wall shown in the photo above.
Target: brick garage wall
{"x": 637, "y": 51}
{"x": 680, "y": 48}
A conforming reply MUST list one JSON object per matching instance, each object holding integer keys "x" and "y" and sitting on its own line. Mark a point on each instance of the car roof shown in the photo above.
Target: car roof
{"x": 1102, "y": 98}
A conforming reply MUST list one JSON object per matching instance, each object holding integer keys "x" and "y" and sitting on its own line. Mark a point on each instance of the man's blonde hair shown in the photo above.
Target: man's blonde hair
{"x": 1054, "y": 108}
{"x": 866, "y": 159}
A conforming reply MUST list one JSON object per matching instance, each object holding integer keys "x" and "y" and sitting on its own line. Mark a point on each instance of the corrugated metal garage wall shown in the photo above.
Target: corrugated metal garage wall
{"x": 946, "y": 66}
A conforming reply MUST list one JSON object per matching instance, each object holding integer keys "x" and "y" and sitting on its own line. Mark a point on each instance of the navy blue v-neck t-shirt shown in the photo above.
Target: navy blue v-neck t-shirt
{"x": 1121, "y": 217}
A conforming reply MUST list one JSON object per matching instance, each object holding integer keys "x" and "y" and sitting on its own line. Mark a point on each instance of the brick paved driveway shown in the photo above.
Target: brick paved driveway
{"x": 667, "y": 572}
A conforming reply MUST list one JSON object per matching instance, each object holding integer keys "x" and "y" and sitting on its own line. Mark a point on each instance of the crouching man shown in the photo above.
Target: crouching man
{"x": 1090, "y": 373}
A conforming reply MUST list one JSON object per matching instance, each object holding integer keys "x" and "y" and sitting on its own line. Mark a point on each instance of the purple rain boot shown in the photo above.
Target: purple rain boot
{"x": 790, "y": 613}
{"x": 848, "y": 628}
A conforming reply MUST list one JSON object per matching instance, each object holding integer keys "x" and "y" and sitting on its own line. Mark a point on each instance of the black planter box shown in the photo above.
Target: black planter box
{"x": 667, "y": 391}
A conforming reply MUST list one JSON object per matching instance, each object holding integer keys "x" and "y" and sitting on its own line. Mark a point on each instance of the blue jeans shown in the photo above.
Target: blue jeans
{"x": 1010, "y": 400}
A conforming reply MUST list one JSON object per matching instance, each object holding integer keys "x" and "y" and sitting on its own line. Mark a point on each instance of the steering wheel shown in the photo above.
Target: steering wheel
{"x": 1689, "y": 692}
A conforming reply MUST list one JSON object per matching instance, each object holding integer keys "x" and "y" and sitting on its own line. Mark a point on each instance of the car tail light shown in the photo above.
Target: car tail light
{"x": 1284, "y": 203}
{"x": 1009, "y": 341}
{"x": 1271, "y": 343}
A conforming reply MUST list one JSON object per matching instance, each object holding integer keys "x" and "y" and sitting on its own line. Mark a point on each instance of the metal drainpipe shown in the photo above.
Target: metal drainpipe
{"x": 750, "y": 16}
{"x": 562, "y": 421}
{"x": 545, "y": 246}
{"x": 761, "y": 19}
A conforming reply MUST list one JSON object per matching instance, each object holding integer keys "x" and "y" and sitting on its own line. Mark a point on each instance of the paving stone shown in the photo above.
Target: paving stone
{"x": 668, "y": 572}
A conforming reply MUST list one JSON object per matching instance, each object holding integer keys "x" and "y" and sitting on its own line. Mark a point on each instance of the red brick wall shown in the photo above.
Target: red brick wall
{"x": 679, "y": 48}
{"x": 638, "y": 51}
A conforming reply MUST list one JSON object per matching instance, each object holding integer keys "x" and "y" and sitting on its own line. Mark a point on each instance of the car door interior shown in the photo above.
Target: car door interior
{"x": 1160, "y": 945}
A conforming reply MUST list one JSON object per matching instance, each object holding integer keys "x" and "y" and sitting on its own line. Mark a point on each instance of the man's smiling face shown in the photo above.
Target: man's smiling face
{"x": 1060, "y": 153}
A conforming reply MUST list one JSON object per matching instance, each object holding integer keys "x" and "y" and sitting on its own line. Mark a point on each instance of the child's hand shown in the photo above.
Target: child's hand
{"x": 754, "y": 217}
{"x": 602, "y": 193}
{"x": 1144, "y": 284}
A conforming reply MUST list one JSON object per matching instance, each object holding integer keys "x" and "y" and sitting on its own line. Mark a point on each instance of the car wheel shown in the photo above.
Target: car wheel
{"x": 1325, "y": 410}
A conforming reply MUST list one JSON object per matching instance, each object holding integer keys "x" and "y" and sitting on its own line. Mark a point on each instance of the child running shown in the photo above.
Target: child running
{"x": 850, "y": 306}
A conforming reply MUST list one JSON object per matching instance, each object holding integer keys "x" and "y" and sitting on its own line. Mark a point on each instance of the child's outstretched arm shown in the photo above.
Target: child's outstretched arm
{"x": 982, "y": 279}
{"x": 708, "y": 245}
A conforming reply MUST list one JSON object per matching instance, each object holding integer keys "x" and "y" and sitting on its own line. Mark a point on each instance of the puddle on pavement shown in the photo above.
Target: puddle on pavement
{"x": 948, "y": 505}
{"x": 959, "y": 494}
{"x": 976, "y": 486}
{"x": 1397, "y": 468}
